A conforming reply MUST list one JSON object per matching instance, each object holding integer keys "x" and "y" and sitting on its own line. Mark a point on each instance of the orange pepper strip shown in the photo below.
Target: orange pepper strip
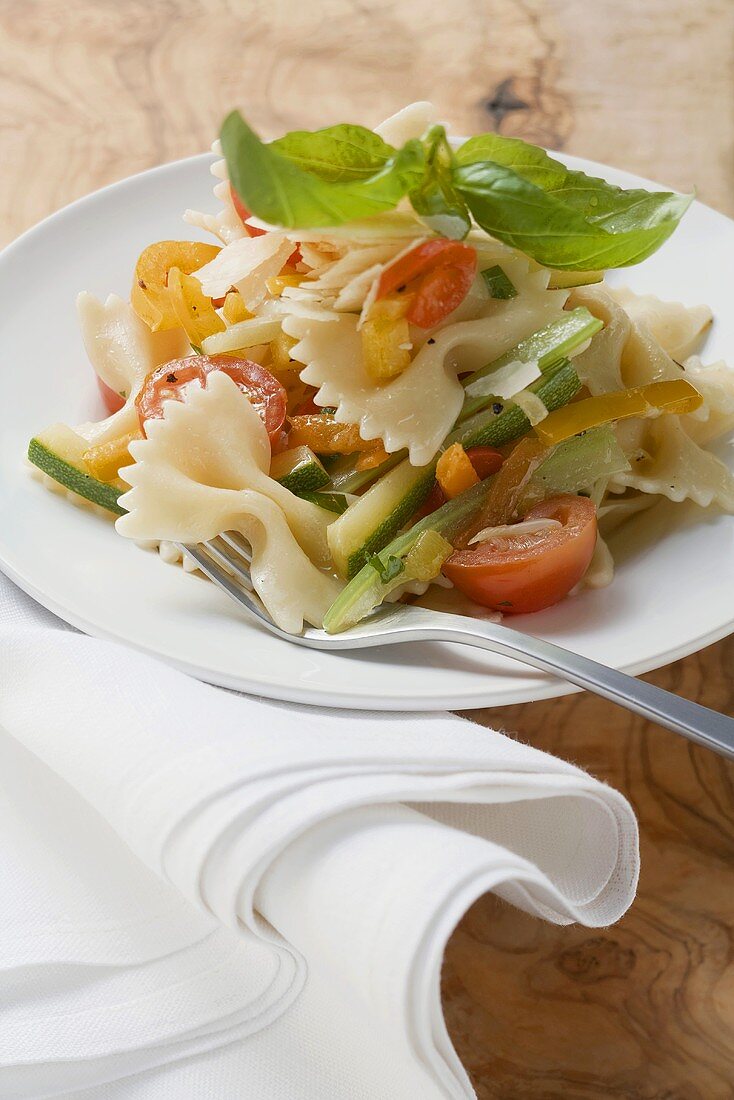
{"x": 326, "y": 437}
{"x": 501, "y": 503}
{"x": 676, "y": 396}
{"x": 454, "y": 471}
{"x": 105, "y": 459}
{"x": 149, "y": 296}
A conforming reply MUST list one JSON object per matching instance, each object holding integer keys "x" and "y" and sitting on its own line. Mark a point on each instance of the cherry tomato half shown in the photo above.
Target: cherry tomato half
{"x": 439, "y": 272}
{"x": 264, "y": 390}
{"x": 254, "y": 230}
{"x": 113, "y": 402}
{"x": 528, "y": 572}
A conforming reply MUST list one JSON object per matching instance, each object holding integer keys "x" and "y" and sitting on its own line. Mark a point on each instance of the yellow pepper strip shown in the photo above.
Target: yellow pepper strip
{"x": 454, "y": 471}
{"x": 676, "y": 396}
{"x": 386, "y": 340}
{"x": 234, "y": 309}
{"x": 368, "y": 460}
{"x": 104, "y": 460}
{"x": 150, "y": 297}
{"x": 280, "y": 351}
{"x": 194, "y": 310}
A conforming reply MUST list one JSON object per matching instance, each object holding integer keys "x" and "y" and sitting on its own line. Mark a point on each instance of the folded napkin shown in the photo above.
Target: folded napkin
{"x": 204, "y": 895}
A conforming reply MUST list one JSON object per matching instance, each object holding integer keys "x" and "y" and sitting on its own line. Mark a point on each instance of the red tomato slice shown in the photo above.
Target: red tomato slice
{"x": 244, "y": 214}
{"x": 254, "y": 230}
{"x": 439, "y": 272}
{"x": 527, "y": 572}
{"x": 485, "y": 460}
{"x": 113, "y": 402}
{"x": 263, "y": 389}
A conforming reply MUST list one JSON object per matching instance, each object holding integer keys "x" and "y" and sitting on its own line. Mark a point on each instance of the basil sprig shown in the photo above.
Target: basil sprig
{"x": 516, "y": 192}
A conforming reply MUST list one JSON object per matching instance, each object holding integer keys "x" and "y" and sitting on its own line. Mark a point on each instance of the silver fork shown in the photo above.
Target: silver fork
{"x": 226, "y": 560}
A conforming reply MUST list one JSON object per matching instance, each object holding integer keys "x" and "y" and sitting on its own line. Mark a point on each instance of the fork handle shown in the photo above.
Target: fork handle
{"x": 700, "y": 724}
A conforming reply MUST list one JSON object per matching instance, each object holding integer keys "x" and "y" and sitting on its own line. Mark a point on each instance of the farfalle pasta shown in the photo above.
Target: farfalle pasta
{"x": 390, "y": 372}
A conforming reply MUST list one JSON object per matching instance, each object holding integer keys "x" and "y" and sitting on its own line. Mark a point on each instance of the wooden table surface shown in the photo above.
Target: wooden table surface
{"x": 94, "y": 90}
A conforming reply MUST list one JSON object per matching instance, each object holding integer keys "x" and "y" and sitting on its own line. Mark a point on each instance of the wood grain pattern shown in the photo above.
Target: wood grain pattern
{"x": 94, "y": 90}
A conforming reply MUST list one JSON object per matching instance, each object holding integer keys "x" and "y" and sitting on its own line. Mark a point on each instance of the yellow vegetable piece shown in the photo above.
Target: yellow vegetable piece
{"x": 104, "y": 460}
{"x": 280, "y": 351}
{"x": 423, "y": 562}
{"x": 234, "y": 309}
{"x": 150, "y": 297}
{"x": 676, "y": 396}
{"x": 368, "y": 460}
{"x": 287, "y": 277}
{"x": 386, "y": 340}
{"x": 454, "y": 471}
{"x": 195, "y": 312}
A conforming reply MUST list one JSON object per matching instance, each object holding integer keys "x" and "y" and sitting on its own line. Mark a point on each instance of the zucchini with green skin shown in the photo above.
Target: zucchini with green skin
{"x": 58, "y": 452}
{"x": 376, "y": 517}
{"x": 370, "y": 586}
{"x": 332, "y": 502}
{"x": 553, "y": 342}
{"x": 555, "y": 388}
{"x": 299, "y": 470}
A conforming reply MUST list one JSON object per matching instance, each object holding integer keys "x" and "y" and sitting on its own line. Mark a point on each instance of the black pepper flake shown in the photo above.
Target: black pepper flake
{"x": 430, "y": 340}
{"x": 171, "y": 378}
{"x": 141, "y": 284}
{"x": 497, "y": 408}
{"x": 401, "y": 289}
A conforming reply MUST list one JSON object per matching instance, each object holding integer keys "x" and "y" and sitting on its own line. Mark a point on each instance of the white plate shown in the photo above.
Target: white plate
{"x": 674, "y": 588}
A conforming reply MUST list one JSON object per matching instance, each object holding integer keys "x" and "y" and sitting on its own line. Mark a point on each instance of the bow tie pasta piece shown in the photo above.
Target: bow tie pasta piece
{"x": 196, "y": 460}
{"x": 671, "y": 464}
{"x": 624, "y": 354}
{"x": 678, "y": 329}
{"x": 123, "y": 352}
{"x": 226, "y": 224}
{"x": 417, "y": 409}
{"x": 716, "y": 382}
{"x": 627, "y": 353}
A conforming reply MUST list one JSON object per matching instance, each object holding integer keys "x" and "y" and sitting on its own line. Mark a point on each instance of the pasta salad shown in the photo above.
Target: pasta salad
{"x": 396, "y": 369}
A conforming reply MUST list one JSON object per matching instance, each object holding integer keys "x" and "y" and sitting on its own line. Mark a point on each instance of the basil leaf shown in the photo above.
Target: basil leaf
{"x": 279, "y": 191}
{"x": 555, "y": 232}
{"x": 528, "y": 161}
{"x": 498, "y": 284}
{"x": 435, "y": 199}
{"x": 388, "y": 570}
{"x": 600, "y": 203}
{"x": 336, "y": 153}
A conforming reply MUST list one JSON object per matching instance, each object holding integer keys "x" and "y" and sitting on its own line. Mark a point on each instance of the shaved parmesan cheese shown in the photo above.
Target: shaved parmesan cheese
{"x": 247, "y": 264}
{"x": 512, "y": 530}
{"x": 506, "y": 381}
{"x": 532, "y": 406}
{"x": 245, "y": 334}
{"x": 411, "y": 122}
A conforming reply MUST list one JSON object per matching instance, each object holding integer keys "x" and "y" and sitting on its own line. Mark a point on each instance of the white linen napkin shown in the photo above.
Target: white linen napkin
{"x": 209, "y": 895}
